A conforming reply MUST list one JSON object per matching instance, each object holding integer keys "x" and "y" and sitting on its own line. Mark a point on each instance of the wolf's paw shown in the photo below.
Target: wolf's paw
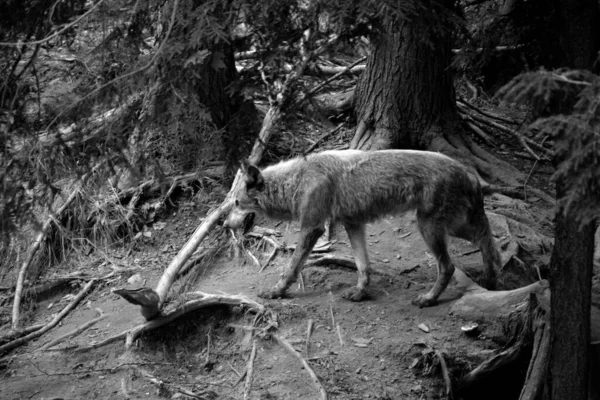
{"x": 424, "y": 300}
{"x": 272, "y": 293}
{"x": 354, "y": 294}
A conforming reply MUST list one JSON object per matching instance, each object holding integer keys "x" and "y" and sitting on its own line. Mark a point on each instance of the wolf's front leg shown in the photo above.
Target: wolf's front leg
{"x": 306, "y": 242}
{"x": 356, "y": 234}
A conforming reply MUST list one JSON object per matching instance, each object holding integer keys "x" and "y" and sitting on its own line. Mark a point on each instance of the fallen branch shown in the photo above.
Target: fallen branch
{"x": 193, "y": 301}
{"x": 445, "y": 374}
{"x": 12, "y": 335}
{"x": 508, "y": 130}
{"x": 309, "y": 331}
{"x": 18, "y": 342}
{"x": 33, "y": 249}
{"x": 74, "y": 332}
{"x": 250, "y": 371}
{"x": 321, "y": 138}
{"x": 486, "y": 114}
{"x": 305, "y": 364}
{"x": 518, "y": 193}
{"x": 279, "y": 104}
{"x": 337, "y": 75}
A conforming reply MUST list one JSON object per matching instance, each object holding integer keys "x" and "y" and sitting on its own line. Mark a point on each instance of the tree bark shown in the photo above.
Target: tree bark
{"x": 406, "y": 99}
{"x": 571, "y": 268}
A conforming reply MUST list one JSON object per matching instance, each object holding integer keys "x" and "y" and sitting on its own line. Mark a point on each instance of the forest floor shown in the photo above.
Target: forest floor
{"x": 382, "y": 348}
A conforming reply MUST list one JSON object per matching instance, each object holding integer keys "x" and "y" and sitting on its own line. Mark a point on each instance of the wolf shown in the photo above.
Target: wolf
{"x": 353, "y": 188}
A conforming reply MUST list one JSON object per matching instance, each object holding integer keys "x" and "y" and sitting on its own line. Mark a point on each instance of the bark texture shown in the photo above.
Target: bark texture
{"x": 571, "y": 284}
{"x": 405, "y": 97}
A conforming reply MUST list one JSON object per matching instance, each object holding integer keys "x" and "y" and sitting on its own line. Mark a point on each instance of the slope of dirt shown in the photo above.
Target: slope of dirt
{"x": 377, "y": 349}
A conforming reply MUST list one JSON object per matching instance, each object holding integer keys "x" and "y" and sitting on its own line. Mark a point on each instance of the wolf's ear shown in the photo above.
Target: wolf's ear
{"x": 254, "y": 179}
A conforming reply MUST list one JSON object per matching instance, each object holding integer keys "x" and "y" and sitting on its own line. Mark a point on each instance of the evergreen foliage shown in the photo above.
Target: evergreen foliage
{"x": 568, "y": 103}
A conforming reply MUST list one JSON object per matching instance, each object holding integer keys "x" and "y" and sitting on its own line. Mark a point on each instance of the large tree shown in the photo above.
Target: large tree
{"x": 406, "y": 98}
{"x": 571, "y": 266}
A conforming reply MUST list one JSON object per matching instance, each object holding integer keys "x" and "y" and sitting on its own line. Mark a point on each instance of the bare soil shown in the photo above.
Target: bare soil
{"x": 383, "y": 348}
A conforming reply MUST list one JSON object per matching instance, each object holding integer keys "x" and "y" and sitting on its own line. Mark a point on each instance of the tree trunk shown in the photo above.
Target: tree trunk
{"x": 570, "y": 285}
{"x": 406, "y": 99}
{"x": 571, "y": 266}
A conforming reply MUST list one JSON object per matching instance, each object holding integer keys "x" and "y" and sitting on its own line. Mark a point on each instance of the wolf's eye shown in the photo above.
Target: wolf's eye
{"x": 237, "y": 203}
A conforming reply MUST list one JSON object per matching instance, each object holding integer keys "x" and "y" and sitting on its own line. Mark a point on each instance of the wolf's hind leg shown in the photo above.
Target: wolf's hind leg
{"x": 434, "y": 235}
{"x": 306, "y": 242}
{"x": 478, "y": 232}
{"x": 356, "y": 234}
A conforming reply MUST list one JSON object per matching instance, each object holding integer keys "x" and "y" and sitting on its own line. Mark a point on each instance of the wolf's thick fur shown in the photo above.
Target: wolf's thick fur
{"x": 353, "y": 188}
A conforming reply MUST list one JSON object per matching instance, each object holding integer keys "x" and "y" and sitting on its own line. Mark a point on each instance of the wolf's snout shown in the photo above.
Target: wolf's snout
{"x": 238, "y": 219}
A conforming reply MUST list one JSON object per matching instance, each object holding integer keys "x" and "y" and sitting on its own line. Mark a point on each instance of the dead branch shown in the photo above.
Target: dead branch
{"x": 322, "y": 137}
{"x": 74, "y": 332}
{"x": 445, "y": 374}
{"x": 479, "y": 132}
{"x": 508, "y": 130}
{"x": 18, "y": 342}
{"x": 334, "y": 77}
{"x": 305, "y": 364}
{"x": 354, "y": 68}
{"x": 518, "y": 193}
{"x": 278, "y": 105}
{"x": 194, "y": 301}
{"x": 250, "y": 371}
{"x": 309, "y": 331}
{"x": 33, "y": 249}
{"x": 12, "y": 335}
{"x": 464, "y": 102}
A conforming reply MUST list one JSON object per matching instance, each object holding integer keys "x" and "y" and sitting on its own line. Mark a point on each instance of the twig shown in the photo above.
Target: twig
{"x": 305, "y": 364}
{"x": 250, "y": 371}
{"x": 445, "y": 374}
{"x": 253, "y": 258}
{"x": 18, "y": 342}
{"x": 74, "y": 332}
{"x": 269, "y": 259}
{"x": 322, "y": 137}
{"x": 539, "y": 147}
{"x": 527, "y": 179}
{"x": 479, "y": 132}
{"x": 512, "y": 132}
{"x": 332, "y": 316}
{"x": 309, "y": 330}
{"x": 339, "y": 332}
{"x": 342, "y": 72}
{"x": 480, "y": 111}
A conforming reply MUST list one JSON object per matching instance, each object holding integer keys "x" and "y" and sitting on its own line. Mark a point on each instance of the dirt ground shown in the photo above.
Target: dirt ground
{"x": 382, "y": 348}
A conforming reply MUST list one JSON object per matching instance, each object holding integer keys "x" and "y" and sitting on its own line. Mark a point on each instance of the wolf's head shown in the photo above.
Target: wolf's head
{"x": 246, "y": 202}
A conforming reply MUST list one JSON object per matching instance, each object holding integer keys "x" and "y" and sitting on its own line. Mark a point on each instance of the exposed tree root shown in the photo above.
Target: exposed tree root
{"x": 313, "y": 375}
{"x": 445, "y": 374}
{"x": 519, "y": 192}
{"x": 33, "y": 249}
{"x": 250, "y": 371}
{"x": 74, "y": 332}
{"x": 191, "y": 301}
{"x": 21, "y": 341}
{"x": 347, "y": 262}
